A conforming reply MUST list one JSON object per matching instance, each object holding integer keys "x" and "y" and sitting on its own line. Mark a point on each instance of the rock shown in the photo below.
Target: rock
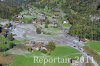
{"x": 24, "y": 31}
{"x": 4, "y": 22}
{"x": 94, "y": 17}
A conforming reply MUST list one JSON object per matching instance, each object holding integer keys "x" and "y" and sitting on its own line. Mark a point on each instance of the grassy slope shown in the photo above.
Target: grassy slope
{"x": 59, "y": 51}
{"x": 63, "y": 51}
{"x": 95, "y": 45}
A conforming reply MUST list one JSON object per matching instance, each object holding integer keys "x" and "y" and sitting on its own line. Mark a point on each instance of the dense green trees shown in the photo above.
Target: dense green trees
{"x": 9, "y": 8}
{"x": 78, "y": 13}
{"x": 10, "y": 37}
{"x": 38, "y": 30}
{"x": 51, "y": 46}
{"x": 5, "y": 44}
{"x": 7, "y": 11}
{"x": 46, "y": 22}
{"x": 6, "y": 38}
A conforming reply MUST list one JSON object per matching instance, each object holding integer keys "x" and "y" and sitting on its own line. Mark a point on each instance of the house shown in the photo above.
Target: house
{"x": 36, "y": 45}
{"x": 94, "y": 17}
{"x": 30, "y": 43}
{"x": 39, "y": 46}
{"x": 65, "y": 22}
{"x": 83, "y": 39}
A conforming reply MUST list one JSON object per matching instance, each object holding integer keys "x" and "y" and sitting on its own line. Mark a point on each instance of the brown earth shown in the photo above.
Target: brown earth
{"x": 5, "y": 60}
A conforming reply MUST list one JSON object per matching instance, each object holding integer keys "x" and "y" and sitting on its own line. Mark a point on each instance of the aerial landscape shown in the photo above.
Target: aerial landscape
{"x": 49, "y": 32}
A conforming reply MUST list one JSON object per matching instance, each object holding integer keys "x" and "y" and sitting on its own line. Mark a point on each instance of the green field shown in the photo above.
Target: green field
{"x": 66, "y": 25}
{"x": 60, "y": 51}
{"x": 95, "y": 45}
{"x": 27, "y": 19}
{"x": 50, "y": 29}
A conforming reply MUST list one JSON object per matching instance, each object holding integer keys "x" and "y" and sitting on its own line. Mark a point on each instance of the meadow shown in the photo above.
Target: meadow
{"x": 60, "y": 51}
{"x": 94, "y": 45}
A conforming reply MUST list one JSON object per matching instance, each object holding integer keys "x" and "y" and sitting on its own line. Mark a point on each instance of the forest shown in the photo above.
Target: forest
{"x": 10, "y": 8}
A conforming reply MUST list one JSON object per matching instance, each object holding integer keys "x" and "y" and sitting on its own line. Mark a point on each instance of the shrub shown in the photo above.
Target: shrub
{"x": 46, "y": 25}
{"x": 11, "y": 45}
{"x": 51, "y": 46}
{"x": 5, "y": 44}
{"x": 29, "y": 49}
{"x": 44, "y": 51}
{"x": 27, "y": 19}
{"x": 10, "y": 37}
{"x": 38, "y": 30}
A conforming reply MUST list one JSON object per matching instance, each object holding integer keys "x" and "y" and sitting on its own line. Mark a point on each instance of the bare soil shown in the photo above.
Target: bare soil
{"x": 5, "y": 60}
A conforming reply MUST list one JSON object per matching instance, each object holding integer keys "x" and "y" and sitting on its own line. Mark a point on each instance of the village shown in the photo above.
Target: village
{"x": 33, "y": 30}
{"x": 38, "y": 34}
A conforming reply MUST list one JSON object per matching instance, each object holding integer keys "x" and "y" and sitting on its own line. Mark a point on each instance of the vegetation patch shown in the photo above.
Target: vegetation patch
{"x": 66, "y": 25}
{"x": 27, "y": 19}
{"x": 94, "y": 45}
{"x": 5, "y": 44}
{"x": 51, "y": 29}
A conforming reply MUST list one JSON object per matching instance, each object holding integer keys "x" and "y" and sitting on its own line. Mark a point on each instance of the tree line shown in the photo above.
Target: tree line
{"x": 10, "y": 8}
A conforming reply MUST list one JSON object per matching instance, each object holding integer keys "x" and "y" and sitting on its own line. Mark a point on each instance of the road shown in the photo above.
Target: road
{"x": 75, "y": 43}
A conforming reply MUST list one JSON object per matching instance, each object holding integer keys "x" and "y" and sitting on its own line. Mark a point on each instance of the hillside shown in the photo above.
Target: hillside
{"x": 9, "y": 8}
{"x": 82, "y": 15}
